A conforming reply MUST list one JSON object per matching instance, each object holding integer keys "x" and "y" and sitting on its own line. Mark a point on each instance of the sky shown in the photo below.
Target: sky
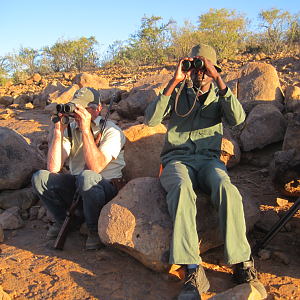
{"x": 35, "y": 24}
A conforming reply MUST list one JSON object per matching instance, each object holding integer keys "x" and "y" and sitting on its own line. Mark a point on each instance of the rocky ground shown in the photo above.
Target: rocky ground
{"x": 30, "y": 269}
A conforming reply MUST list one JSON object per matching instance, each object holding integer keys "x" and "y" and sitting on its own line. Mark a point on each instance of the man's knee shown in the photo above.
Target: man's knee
{"x": 39, "y": 178}
{"x": 86, "y": 179}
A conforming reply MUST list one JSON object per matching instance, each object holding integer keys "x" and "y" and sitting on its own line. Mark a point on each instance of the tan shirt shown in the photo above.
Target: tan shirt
{"x": 111, "y": 142}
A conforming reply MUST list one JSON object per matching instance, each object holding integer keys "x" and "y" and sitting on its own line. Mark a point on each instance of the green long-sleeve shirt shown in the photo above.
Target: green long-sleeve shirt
{"x": 201, "y": 131}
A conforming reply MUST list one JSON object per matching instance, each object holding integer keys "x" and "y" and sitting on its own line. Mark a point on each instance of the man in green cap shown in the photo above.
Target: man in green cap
{"x": 92, "y": 165}
{"x": 190, "y": 158}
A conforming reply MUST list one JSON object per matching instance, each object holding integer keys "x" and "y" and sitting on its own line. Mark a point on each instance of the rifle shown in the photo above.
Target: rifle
{"x": 276, "y": 228}
{"x": 62, "y": 236}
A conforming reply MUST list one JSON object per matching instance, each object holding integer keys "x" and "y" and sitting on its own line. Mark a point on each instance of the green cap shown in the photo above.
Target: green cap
{"x": 86, "y": 96}
{"x": 208, "y": 52}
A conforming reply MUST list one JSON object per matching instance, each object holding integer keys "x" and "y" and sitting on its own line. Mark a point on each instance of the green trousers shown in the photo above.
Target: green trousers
{"x": 179, "y": 179}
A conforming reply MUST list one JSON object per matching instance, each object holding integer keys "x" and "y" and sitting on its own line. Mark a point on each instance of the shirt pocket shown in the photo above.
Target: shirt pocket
{"x": 212, "y": 111}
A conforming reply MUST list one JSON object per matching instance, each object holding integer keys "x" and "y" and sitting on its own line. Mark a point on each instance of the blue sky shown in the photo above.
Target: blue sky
{"x": 41, "y": 23}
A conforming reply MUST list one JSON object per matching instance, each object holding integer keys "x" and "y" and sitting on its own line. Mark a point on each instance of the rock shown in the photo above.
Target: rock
{"x": 142, "y": 151}
{"x": 88, "y": 80}
{"x": 106, "y": 95}
{"x": 21, "y": 100}
{"x": 28, "y": 106}
{"x": 59, "y": 97}
{"x": 285, "y": 172}
{"x": 137, "y": 221}
{"x": 25, "y": 216}
{"x": 6, "y": 100}
{"x": 10, "y": 219}
{"x": 280, "y": 257}
{"x": 34, "y": 210}
{"x": 114, "y": 116}
{"x": 23, "y": 198}
{"x": 230, "y": 150}
{"x": 264, "y": 254}
{"x": 264, "y": 125}
{"x": 3, "y": 295}
{"x": 270, "y": 218}
{"x": 259, "y": 81}
{"x": 83, "y": 229}
{"x": 243, "y": 291}
{"x": 143, "y": 93}
{"x": 136, "y": 104}
{"x": 248, "y": 106}
{"x": 233, "y": 85}
{"x": 1, "y": 235}
{"x": 65, "y": 95}
{"x": 51, "y": 88}
{"x": 36, "y": 77}
{"x": 42, "y": 212}
{"x": 292, "y": 135}
{"x": 19, "y": 161}
{"x": 281, "y": 202}
{"x": 292, "y": 98}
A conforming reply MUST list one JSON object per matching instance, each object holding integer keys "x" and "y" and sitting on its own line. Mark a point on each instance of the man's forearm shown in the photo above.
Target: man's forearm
{"x": 170, "y": 87}
{"x": 94, "y": 159}
{"x": 54, "y": 158}
{"x": 221, "y": 85}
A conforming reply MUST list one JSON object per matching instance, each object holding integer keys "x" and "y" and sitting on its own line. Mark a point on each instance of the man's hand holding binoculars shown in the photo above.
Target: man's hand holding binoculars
{"x": 82, "y": 117}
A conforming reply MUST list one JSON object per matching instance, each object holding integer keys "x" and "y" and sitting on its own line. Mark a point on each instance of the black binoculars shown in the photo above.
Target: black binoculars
{"x": 68, "y": 109}
{"x": 190, "y": 64}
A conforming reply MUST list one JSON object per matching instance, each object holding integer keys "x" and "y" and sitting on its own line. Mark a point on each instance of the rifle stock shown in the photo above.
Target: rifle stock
{"x": 63, "y": 233}
{"x": 62, "y": 236}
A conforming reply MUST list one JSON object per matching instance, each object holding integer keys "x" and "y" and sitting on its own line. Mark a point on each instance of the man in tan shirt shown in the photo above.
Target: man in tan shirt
{"x": 92, "y": 167}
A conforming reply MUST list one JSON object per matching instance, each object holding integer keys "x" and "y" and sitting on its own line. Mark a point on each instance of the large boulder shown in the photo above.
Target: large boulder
{"x": 18, "y": 161}
{"x": 89, "y": 80}
{"x": 259, "y": 81}
{"x": 143, "y": 93}
{"x": 137, "y": 221}
{"x": 142, "y": 150}
{"x": 264, "y": 125}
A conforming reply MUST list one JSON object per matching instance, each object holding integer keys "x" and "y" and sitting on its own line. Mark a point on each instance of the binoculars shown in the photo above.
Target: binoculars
{"x": 196, "y": 63}
{"x": 68, "y": 109}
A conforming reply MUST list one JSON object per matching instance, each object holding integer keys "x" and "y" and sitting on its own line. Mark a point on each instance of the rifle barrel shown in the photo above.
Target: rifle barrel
{"x": 277, "y": 227}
